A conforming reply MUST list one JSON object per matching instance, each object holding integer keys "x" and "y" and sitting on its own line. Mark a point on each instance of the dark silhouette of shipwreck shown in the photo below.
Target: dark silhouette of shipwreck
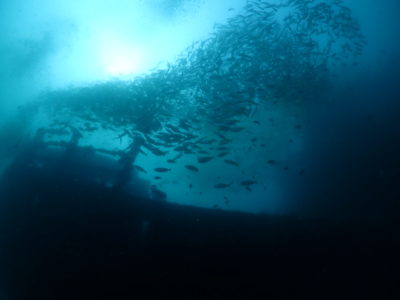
{"x": 74, "y": 226}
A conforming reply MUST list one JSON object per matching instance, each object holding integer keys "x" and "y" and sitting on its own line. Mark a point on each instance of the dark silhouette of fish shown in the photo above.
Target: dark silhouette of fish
{"x": 231, "y": 162}
{"x": 162, "y": 170}
{"x": 204, "y": 159}
{"x": 271, "y": 162}
{"x": 139, "y": 168}
{"x": 223, "y": 137}
{"x": 188, "y": 151}
{"x": 222, "y": 185}
{"x": 184, "y": 125}
{"x": 155, "y": 150}
{"x": 206, "y": 142}
{"x": 248, "y": 182}
{"x": 173, "y": 128}
{"x": 223, "y": 148}
{"x": 222, "y": 154}
{"x": 236, "y": 129}
{"x": 191, "y": 168}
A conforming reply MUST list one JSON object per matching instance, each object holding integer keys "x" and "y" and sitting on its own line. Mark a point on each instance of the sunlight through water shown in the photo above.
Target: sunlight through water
{"x": 119, "y": 57}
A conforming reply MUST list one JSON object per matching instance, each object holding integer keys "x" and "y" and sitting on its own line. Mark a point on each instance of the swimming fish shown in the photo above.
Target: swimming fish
{"x": 162, "y": 170}
{"x": 222, "y": 185}
{"x": 204, "y": 159}
{"x": 248, "y": 182}
{"x": 231, "y": 162}
{"x": 222, "y": 154}
{"x": 191, "y": 168}
{"x": 139, "y": 168}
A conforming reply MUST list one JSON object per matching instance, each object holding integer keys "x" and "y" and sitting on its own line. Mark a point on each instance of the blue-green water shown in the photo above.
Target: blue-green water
{"x": 282, "y": 109}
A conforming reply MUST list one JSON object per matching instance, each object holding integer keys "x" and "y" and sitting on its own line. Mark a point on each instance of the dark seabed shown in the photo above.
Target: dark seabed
{"x": 261, "y": 163}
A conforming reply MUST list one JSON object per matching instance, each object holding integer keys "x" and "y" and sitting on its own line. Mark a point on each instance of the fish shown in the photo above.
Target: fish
{"x": 231, "y": 162}
{"x": 232, "y": 122}
{"x": 237, "y": 129}
{"x": 178, "y": 156}
{"x": 204, "y": 159}
{"x": 185, "y": 125}
{"x": 154, "y": 150}
{"x": 206, "y": 142}
{"x": 222, "y": 185}
{"x": 203, "y": 152}
{"x": 180, "y": 148}
{"x": 162, "y": 170}
{"x": 139, "y": 168}
{"x": 174, "y": 159}
{"x": 224, "y": 142}
{"x": 157, "y": 177}
{"x": 302, "y": 171}
{"x": 226, "y": 200}
{"x": 222, "y": 154}
{"x": 173, "y": 128}
{"x": 222, "y": 148}
{"x": 223, "y": 137}
{"x": 153, "y": 141}
{"x": 248, "y": 182}
{"x": 194, "y": 146}
{"x": 271, "y": 162}
{"x": 188, "y": 151}
{"x": 191, "y": 168}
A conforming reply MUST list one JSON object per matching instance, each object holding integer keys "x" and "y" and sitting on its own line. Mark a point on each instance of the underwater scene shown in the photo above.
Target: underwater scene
{"x": 199, "y": 148}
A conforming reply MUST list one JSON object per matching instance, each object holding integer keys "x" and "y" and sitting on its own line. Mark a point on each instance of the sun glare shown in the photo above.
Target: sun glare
{"x": 121, "y": 58}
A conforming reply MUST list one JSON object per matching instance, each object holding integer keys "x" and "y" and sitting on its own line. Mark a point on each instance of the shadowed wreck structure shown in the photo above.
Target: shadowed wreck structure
{"x": 70, "y": 235}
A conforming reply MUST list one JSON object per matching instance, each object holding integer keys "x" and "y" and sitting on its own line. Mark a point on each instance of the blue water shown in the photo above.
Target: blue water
{"x": 184, "y": 110}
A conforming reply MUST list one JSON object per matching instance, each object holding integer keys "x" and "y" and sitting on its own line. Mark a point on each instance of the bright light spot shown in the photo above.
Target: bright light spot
{"x": 120, "y": 58}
